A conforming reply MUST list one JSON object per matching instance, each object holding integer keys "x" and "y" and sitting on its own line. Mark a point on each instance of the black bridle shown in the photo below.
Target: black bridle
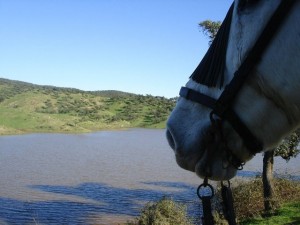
{"x": 222, "y": 107}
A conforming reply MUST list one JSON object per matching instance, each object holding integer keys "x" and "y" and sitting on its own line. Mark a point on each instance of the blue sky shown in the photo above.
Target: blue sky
{"x": 137, "y": 46}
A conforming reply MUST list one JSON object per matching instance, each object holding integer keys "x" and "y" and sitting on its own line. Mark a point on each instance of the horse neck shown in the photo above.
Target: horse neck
{"x": 268, "y": 103}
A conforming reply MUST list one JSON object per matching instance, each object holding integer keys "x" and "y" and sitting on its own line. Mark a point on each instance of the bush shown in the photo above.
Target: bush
{"x": 248, "y": 203}
{"x": 163, "y": 212}
{"x": 249, "y": 200}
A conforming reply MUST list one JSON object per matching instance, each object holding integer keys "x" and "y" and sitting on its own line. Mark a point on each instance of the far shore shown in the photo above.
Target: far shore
{"x": 12, "y": 132}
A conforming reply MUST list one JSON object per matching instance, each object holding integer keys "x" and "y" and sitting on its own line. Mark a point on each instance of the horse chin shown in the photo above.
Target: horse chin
{"x": 217, "y": 170}
{"x": 188, "y": 162}
{"x": 197, "y": 163}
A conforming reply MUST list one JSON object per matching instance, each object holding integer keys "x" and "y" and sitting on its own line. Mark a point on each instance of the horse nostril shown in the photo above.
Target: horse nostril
{"x": 170, "y": 139}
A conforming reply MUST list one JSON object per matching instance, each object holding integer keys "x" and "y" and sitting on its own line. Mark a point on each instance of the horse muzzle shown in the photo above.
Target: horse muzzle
{"x": 187, "y": 155}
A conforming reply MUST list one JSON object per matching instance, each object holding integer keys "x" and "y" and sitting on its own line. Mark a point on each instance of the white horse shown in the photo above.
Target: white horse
{"x": 268, "y": 103}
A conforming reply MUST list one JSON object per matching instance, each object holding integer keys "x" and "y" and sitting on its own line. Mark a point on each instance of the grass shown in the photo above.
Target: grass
{"x": 248, "y": 205}
{"x": 29, "y": 108}
{"x": 249, "y": 202}
{"x": 248, "y": 196}
{"x": 288, "y": 214}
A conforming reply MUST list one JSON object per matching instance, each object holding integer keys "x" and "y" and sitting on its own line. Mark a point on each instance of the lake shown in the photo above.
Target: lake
{"x": 97, "y": 178}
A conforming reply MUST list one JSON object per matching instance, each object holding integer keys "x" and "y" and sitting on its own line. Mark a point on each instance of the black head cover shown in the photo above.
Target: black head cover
{"x": 210, "y": 71}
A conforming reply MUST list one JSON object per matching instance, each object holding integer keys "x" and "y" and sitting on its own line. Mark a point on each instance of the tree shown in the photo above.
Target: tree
{"x": 287, "y": 149}
{"x": 267, "y": 179}
{"x": 210, "y": 28}
{"x": 289, "y": 146}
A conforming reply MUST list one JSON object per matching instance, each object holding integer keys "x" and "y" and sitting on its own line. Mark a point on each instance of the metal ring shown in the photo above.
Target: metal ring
{"x": 203, "y": 186}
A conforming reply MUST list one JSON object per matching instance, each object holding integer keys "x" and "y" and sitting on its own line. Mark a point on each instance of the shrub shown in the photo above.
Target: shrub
{"x": 248, "y": 203}
{"x": 164, "y": 212}
{"x": 249, "y": 200}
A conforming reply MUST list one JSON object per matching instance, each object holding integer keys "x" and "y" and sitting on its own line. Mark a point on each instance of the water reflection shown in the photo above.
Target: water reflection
{"x": 99, "y": 178}
{"x": 102, "y": 201}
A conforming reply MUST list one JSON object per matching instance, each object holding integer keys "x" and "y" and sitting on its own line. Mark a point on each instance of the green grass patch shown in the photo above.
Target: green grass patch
{"x": 249, "y": 201}
{"x": 288, "y": 214}
{"x": 248, "y": 196}
{"x": 29, "y": 108}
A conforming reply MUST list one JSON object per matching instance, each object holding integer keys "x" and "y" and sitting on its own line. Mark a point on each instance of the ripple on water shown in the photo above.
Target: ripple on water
{"x": 98, "y": 178}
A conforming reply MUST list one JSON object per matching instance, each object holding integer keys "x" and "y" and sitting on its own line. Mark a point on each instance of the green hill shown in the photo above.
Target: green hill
{"x": 26, "y": 108}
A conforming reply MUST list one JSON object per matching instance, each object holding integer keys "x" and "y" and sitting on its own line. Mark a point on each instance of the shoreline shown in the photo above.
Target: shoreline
{"x": 86, "y": 131}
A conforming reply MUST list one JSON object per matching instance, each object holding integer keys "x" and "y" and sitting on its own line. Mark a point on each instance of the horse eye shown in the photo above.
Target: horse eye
{"x": 244, "y": 4}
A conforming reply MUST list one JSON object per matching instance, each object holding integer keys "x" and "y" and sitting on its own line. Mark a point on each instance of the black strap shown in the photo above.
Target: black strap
{"x": 197, "y": 97}
{"x": 206, "y": 197}
{"x": 228, "y": 208}
{"x": 207, "y": 218}
{"x": 253, "y": 57}
{"x": 250, "y": 141}
{"x": 253, "y": 144}
{"x": 225, "y": 101}
{"x": 223, "y": 106}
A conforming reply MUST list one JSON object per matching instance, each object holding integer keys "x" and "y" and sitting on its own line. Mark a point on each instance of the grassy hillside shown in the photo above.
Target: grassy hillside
{"x": 26, "y": 107}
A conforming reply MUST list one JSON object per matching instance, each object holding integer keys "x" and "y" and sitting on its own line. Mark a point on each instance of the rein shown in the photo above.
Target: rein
{"x": 213, "y": 139}
{"x": 222, "y": 110}
{"x": 205, "y": 193}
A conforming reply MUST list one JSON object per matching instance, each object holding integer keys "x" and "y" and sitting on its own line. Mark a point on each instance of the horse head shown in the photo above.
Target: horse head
{"x": 266, "y": 103}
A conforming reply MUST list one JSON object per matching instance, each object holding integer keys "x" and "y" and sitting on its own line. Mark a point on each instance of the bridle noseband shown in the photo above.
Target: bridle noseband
{"x": 222, "y": 107}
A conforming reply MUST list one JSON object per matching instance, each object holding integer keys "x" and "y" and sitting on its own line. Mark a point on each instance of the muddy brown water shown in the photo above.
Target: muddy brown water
{"x": 97, "y": 178}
